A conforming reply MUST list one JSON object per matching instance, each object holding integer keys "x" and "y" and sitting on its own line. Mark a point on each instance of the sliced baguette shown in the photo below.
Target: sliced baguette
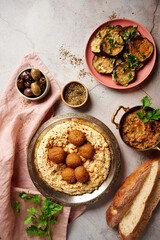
{"x": 124, "y": 196}
{"x": 130, "y": 222}
{"x": 151, "y": 205}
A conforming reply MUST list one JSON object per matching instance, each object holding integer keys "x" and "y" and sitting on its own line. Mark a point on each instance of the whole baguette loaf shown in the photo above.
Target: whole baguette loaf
{"x": 126, "y": 193}
{"x": 130, "y": 225}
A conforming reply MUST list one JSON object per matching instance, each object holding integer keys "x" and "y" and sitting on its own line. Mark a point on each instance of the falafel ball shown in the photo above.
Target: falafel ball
{"x": 86, "y": 150}
{"x": 81, "y": 174}
{"x": 68, "y": 175}
{"x": 57, "y": 154}
{"x": 76, "y": 137}
{"x": 73, "y": 160}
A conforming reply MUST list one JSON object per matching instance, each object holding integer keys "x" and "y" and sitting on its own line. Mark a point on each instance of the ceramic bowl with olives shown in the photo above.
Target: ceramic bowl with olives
{"x": 32, "y": 84}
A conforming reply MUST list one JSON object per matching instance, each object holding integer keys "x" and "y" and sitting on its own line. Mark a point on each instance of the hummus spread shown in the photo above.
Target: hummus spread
{"x": 138, "y": 134}
{"x": 98, "y": 166}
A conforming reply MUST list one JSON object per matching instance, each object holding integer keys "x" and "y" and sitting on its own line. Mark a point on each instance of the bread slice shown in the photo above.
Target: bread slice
{"x": 124, "y": 196}
{"x": 130, "y": 222}
{"x": 150, "y": 206}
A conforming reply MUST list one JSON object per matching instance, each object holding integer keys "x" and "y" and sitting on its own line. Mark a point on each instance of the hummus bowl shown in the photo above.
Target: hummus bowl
{"x": 134, "y": 132}
{"x": 103, "y": 169}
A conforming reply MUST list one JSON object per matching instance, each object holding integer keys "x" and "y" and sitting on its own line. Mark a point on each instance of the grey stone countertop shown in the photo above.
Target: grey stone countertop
{"x": 58, "y": 32}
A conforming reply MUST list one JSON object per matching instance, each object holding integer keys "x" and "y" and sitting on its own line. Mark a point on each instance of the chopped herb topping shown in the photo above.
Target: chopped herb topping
{"x": 129, "y": 75}
{"x": 110, "y": 41}
{"x": 111, "y": 60}
{"x": 132, "y": 60}
{"x": 114, "y": 74}
{"x": 99, "y": 34}
{"x": 142, "y": 55}
{"x": 130, "y": 34}
{"x": 109, "y": 26}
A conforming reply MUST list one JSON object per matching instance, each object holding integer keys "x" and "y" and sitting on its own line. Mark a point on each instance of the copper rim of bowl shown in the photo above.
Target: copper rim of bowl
{"x": 40, "y": 96}
{"x": 70, "y": 105}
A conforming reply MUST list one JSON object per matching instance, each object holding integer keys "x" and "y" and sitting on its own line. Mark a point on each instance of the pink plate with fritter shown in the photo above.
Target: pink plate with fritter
{"x": 141, "y": 75}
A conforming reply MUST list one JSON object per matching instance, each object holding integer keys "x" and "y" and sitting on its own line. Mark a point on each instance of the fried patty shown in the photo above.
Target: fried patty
{"x": 57, "y": 154}
{"x": 86, "y": 150}
{"x": 68, "y": 175}
{"x": 73, "y": 160}
{"x": 76, "y": 137}
{"x": 81, "y": 174}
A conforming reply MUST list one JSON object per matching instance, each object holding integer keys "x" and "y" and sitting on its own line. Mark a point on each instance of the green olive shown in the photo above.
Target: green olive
{"x": 36, "y": 90}
{"x": 35, "y": 74}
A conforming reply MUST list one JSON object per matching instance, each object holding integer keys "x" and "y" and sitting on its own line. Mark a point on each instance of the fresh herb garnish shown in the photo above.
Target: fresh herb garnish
{"x": 129, "y": 75}
{"x": 109, "y": 26}
{"x": 114, "y": 74}
{"x": 44, "y": 220}
{"x": 142, "y": 55}
{"x": 111, "y": 60}
{"x": 132, "y": 60}
{"x": 16, "y": 205}
{"x": 99, "y": 34}
{"x": 131, "y": 33}
{"x": 110, "y": 41}
{"x": 150, "y": 115}
{"x": 146, "y": 102}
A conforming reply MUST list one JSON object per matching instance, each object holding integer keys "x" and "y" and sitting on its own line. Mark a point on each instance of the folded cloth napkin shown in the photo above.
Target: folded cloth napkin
{"x": 19, "y": 120}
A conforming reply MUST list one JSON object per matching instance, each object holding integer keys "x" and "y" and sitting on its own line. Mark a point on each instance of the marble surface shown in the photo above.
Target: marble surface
{"x": 58, "y": 32}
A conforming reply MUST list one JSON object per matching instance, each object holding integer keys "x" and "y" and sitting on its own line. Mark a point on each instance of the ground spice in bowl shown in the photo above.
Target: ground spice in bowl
{"x": 74, "y": 94}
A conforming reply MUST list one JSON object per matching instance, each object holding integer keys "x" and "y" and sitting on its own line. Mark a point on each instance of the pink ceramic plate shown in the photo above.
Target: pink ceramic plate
{"x": 107, "y": 79}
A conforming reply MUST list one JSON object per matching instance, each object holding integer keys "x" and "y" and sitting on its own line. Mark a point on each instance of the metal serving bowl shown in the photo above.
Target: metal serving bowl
{"x": 120, "y": 124}
{"x": 83, "y": 199}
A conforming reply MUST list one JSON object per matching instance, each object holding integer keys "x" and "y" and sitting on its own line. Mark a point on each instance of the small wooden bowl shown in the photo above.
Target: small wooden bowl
{"x": 74, "y": 105}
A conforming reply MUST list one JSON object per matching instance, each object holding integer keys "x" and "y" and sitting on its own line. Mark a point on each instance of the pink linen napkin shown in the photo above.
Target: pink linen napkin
{"x": 19, "y": 120}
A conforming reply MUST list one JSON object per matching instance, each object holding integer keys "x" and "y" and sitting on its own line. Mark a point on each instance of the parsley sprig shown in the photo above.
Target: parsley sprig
{"x": 43, "y": 217}
{"x": 150, "y": 115}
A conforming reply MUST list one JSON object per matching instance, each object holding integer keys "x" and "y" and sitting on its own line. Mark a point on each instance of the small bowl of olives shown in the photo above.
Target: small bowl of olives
{"x": 32, "y": 84}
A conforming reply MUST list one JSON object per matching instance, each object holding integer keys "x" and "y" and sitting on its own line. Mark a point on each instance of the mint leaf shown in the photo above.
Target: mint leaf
{"x": 32, "y": 211}
{"x": 16, "y": 205}
{"x": 146, "y": 102}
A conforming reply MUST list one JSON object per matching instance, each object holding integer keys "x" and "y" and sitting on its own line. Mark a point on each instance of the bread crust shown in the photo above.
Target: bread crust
{"x": 151, "y": 203}
{"x": 126, "y": 193}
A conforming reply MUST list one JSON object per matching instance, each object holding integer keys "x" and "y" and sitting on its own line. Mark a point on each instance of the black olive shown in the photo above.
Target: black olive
{"x": 25, "y": 75}
{"x": 27, "y": 84}
{"x": 28, "y": 92}
{"x": 20, "y": 84}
